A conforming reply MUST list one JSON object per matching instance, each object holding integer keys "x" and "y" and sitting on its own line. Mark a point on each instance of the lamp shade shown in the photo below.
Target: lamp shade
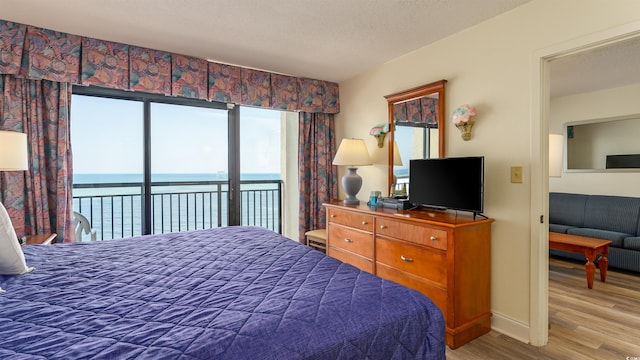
{"x": 352, "y": 152}
{"x": 556, "y": 142}
{"x": 397, "y": 159}
{"x": 13, "y": 151}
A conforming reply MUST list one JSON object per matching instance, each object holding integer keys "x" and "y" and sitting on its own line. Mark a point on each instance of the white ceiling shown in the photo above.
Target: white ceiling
{"x": 331, "y": 40}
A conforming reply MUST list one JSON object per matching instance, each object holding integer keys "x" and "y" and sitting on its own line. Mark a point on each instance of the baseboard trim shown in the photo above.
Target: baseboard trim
{"x": 510, "y": 327}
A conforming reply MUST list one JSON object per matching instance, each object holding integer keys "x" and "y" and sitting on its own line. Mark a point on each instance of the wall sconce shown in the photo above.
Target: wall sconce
{"x": 380, "y": 132}
{"x": 352, "y": 153}
{"x": 461, "y": 118}
{"x": 556, "y": 145}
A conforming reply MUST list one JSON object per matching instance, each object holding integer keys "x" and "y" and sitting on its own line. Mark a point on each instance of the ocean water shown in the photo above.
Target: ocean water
{"x": 114, "y": 205}
{"x": 128, "y": 178}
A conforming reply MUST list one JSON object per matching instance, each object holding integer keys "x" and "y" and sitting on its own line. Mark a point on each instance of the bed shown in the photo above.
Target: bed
{"x": 226, "y": 293}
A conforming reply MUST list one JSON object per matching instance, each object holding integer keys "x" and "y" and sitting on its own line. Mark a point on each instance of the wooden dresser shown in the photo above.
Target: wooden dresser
{"x": 444, "y": 255}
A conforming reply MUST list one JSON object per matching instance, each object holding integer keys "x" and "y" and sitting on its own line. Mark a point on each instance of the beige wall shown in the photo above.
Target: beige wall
{"x": 489, "y": 66}
{"x": 289, "y": 166}
{"x": 610, "y": 103}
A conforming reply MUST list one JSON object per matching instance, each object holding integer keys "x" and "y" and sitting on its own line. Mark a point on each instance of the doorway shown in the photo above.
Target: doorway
{"x": 542, "y": 83}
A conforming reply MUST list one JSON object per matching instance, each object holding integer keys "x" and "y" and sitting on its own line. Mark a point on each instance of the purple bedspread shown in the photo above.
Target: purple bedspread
{"x": 227, "y": 293}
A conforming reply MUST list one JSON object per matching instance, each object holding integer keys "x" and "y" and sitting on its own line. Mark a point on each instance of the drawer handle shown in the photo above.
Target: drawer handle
{"x": 383, "y": 227}
{"x": 348, "y": 240}
{"x": 333, "y": 215}
{"x": 364, "y": 223}
{"x": 406, "y": 259}
{"x": 433, "y": 238}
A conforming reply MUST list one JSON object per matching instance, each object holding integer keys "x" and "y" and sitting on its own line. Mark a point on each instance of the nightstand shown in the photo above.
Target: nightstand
{"x": 42, "y": 239}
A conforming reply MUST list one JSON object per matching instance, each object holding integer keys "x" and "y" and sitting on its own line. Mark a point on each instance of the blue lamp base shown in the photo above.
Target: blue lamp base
{"x": 351, "y": 183}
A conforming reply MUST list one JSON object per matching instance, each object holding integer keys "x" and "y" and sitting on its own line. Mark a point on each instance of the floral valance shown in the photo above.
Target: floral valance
{"x": 418, "y": 112}
{"x": 35, "y": 53}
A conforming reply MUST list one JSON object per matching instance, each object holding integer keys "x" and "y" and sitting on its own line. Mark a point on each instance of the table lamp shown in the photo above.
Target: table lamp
{"x": 13, "y": 151}
{"x": 352, "y": 153}
{"x": 13, "y": 156}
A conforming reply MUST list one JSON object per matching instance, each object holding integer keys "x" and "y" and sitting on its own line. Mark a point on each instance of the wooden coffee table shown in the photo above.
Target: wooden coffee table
{"x": 590, "y": 247}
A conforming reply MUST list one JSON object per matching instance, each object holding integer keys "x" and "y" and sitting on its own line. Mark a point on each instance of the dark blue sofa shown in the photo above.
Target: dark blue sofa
{"x": 614, "y": 218}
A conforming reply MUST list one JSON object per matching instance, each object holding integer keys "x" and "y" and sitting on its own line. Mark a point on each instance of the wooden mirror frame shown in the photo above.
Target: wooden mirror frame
{"x": 434, "y": 87}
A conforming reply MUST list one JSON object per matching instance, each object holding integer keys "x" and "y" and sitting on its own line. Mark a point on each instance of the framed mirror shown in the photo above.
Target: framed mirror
{"x": 603, "y": 145}
{"x": 416, "y": 127}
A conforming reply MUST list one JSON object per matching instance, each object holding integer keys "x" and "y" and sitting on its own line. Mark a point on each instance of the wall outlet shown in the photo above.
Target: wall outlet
{"x": 516, "y": 174}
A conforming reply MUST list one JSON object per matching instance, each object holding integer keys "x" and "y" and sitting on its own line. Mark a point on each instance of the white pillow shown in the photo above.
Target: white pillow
{"x": 11, "y": 257}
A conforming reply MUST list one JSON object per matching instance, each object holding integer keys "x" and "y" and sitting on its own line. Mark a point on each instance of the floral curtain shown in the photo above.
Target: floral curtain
{"x": 225, "y": 84}
{"x": 45, "y": 55}
{"x": 35, "y": 53}
{"x": 418, "y": 112}
{"x": 39, "y": 200}
{"x": 105, "y": 64}
{"x": 317, "y": 176}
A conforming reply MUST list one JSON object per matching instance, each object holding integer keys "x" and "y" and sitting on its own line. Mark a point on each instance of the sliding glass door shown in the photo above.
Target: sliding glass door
{"x": 260, "y": 138}
{"x": 108, "y": 164}
{"x": 146, "y": 164}
{"x": 189, "y": 167}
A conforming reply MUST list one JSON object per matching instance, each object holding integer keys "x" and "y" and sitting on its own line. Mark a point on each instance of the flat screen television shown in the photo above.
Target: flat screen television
{"x": 448, "y": 183}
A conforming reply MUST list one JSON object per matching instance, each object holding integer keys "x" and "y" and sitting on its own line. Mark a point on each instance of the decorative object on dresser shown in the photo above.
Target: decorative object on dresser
{"x": 444, "y": 255}
{"x": 352, "y": 153}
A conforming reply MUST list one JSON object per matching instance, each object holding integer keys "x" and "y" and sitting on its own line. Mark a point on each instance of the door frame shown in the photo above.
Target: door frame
{"x": 539, "y": 125}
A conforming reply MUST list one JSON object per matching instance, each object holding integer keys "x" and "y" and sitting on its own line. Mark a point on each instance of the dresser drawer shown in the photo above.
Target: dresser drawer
{"x": 355, "y": 241}
{"x": 422, "y": 235}
{"x": 436, "y": 294}
{"x": 351, "y": 219}
{"x": 427, "y": 264}
{"x": 352, "y": 259}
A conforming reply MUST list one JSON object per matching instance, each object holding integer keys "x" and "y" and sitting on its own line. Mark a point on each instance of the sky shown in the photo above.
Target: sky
{"x": 106, "y": 138}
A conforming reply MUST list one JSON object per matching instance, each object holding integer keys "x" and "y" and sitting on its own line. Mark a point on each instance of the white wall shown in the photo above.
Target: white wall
{"x": 603, "y": 104}
{"x": 489, "y": 66}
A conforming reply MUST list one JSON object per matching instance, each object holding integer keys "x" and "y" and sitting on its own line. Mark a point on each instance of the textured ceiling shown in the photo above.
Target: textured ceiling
{"x": 324, "y": 39}
{"x": 600, "y": 68}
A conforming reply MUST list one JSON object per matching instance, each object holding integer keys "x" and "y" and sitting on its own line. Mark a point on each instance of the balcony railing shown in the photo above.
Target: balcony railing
{"x": 116, "y": 209}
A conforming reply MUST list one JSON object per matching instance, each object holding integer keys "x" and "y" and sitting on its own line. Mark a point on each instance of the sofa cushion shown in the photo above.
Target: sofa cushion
{"x": 632, "y": 243}
{"x": 616, "y": 237}
{"x": 613, "y": 213}
{"x": 624, "y": 259}
{"x": 560, "y": 228}
{"x": 567, "y": 209}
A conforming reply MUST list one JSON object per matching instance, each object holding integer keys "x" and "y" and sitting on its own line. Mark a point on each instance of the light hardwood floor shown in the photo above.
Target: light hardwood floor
{"x": 602, "y": 323}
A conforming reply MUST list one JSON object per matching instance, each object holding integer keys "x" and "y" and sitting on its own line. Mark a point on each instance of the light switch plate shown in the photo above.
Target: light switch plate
{"x": 516, "y": 174}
